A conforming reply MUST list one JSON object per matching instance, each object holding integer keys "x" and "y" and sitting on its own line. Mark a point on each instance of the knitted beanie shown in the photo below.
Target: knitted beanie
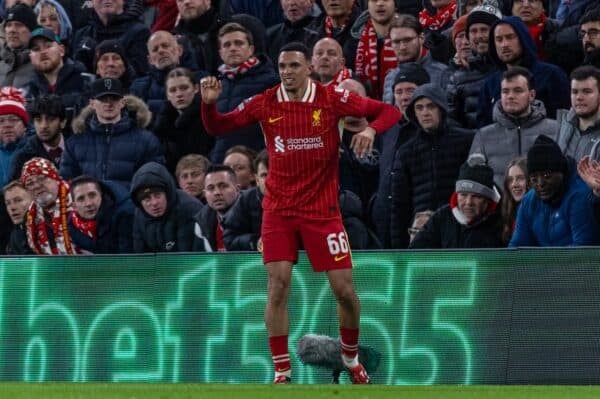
{"x": 12, "y": 102}
{"x": 545, "y": 156}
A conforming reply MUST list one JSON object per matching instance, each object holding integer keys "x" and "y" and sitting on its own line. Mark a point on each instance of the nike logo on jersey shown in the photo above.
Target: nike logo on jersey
{"x": 340, "y": 257}
{"x": 273, "y": 120}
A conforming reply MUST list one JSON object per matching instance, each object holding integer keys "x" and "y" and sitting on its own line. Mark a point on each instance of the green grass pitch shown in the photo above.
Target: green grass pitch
{"x": 246, "y": 391}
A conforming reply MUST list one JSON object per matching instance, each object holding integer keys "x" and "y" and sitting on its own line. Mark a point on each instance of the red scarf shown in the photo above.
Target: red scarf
{"x": 342, "y": 75}
{"x": 372, "y": 65}
{"x": 231, "y": 72}
{"x": 440, "y": 19}
{"x": 87, "y": 227}
{"x": 329, "y": 25}
{"x": 37, "y": 227}
{"x": 536, "y": 32}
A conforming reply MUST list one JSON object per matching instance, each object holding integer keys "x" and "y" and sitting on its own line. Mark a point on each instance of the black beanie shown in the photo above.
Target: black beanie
{"x": 411, "y": 72}
{"x": 545, "y": 156}
{"x": 109, "y": 46}
{"x": 477, "y": 178}
{"x": 22, "y": 13}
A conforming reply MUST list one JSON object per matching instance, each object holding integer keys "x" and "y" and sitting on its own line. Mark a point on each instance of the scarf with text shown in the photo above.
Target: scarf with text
{"x": 339, "y": 77}
{"x": 231, "y": 72}
{"x": 370, "y": 64}
{"x": 440, "y": 19}
{"x": 329, "y": 25}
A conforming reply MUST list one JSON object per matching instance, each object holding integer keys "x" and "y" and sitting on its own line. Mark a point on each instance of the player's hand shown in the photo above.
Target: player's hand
{"x": 362, "y": 142}
{"x": 210, "y": 89}
{"x": 589, "y": 171}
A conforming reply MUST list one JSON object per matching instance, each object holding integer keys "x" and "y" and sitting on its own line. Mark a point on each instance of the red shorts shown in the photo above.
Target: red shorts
{"x": 324, "y": 240}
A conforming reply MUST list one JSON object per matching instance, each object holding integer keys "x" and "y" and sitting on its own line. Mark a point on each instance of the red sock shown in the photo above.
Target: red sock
{"x": 279, "y": 353}
{"x": 349, "y": 342}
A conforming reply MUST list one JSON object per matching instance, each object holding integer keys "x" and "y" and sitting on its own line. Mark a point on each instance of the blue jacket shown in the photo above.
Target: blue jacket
{"x": 114, "y": 223}
{"x": 569, "y": 222}
{"x": 111, "y": 152}
{"x": 235, "y": 91}
{"x": 551, "y": 84}
{"x": 7, "y": 153}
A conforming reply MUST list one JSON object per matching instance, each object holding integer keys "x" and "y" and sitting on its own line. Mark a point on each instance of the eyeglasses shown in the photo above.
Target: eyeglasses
{"x": 537, "y": 177}
{"x": 592, "y": 33}
{"x": 413, "y": 231}
{"x": 405, "y": 40}
{"x": 9, "y": 119}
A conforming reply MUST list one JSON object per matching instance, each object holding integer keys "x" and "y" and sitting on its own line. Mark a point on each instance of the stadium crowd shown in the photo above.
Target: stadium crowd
{"x": 103, "y": 148}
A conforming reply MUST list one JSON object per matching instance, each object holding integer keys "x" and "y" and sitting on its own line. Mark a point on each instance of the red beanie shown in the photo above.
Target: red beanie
{"x": 12, "y": 102}
{"x": 460, "y": 25}
{"x": 39, "y": 166}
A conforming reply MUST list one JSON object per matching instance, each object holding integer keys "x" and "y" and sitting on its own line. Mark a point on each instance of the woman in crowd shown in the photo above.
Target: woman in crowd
{"x": 515, "y": 188}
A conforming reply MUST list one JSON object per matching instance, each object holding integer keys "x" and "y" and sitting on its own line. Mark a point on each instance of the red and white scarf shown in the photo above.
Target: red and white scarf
{"x": 536, "y": 32}
{"x": 370, "y": 65}
{"x": 329, "y": 25}
{"x": 460, "y": 217}
{"x": 41, "y": 222}
{"x": 231, "y": 72}
{"x": 87, "y": 227}
{"x": 339, "y": 77}
{"x": 440, "y": 19}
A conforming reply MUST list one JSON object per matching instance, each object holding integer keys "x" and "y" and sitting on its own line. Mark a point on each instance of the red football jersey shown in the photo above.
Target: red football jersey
{"x": 303, "y": 140}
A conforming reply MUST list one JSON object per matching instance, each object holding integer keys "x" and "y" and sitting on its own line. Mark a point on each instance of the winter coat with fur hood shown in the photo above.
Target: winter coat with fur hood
{"x": 114, "y": 151}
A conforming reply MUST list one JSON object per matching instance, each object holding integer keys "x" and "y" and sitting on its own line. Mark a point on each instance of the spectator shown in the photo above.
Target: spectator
{"x": 410, "y": 76}
{"x": 221, "y": 192}
{"x": 328, "y": 62}
{"x": 244, "y": 75}
{"x": 590, "y": 37}
{"x": 164, "y": 54}
{"x": 557, "y": 212}
{"x": 17, "y": 201}
{"x": 111, "y": 20}
{"x": 190, "y": 173}
{"x": 579, "y": 127}
{"x": 464, "y": 84}
{"x": 110, "y": 142}
{"x": 163, "y": 220}
{"x": 298, "y": 15}
{"x": 15, "y": 68}
{"x": 241, "y": 160}
{"x": 102, "y": 217}
{"x": 439, "y": 17}
{"x": 374, "y": 53}
{"x": 110, "y": 61}
{"x": 49, "y": 120}
{"x": 46, "y": 220}
{"x": 408, "y": 42}
{"x": 511, "y": 45}
{"x": 336, "y": 22}
{"x": 179, "y": 124}
{"x": 515, "y": 188}
{"x": 55, "y": 74}
{"x": 52, "y": 15}
{"x": 426, "y": 168}
{"x": 241, "y": 227}
{"x": 13, "y": 125}
{"x": 420, "y": 219}
{"x": 471, "y": 219}
{"x": 518, "y": 120}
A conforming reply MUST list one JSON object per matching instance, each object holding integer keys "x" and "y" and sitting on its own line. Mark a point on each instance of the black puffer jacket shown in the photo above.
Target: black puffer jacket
{"x": 241, "y": 227}
{"x": 464, "y": 86}
{"x": 426, "y": 168}
{"x": 172, "y": 232}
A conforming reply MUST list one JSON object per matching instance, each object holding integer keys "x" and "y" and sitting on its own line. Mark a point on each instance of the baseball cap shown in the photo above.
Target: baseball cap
{"x": 107, "y": 87}
{"x": 46, "y": 33}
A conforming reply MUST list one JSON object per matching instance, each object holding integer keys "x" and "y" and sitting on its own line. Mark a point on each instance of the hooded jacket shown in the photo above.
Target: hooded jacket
{"x": 171, "y": 232}
{"x": 550, "y": 82}
{"x": 114, "y": 223}
{"x": 509, "y": 137}
{"x": 566, "y": 221}
{"x": 426, "y": 168}
{"x": 111, "y": 151}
